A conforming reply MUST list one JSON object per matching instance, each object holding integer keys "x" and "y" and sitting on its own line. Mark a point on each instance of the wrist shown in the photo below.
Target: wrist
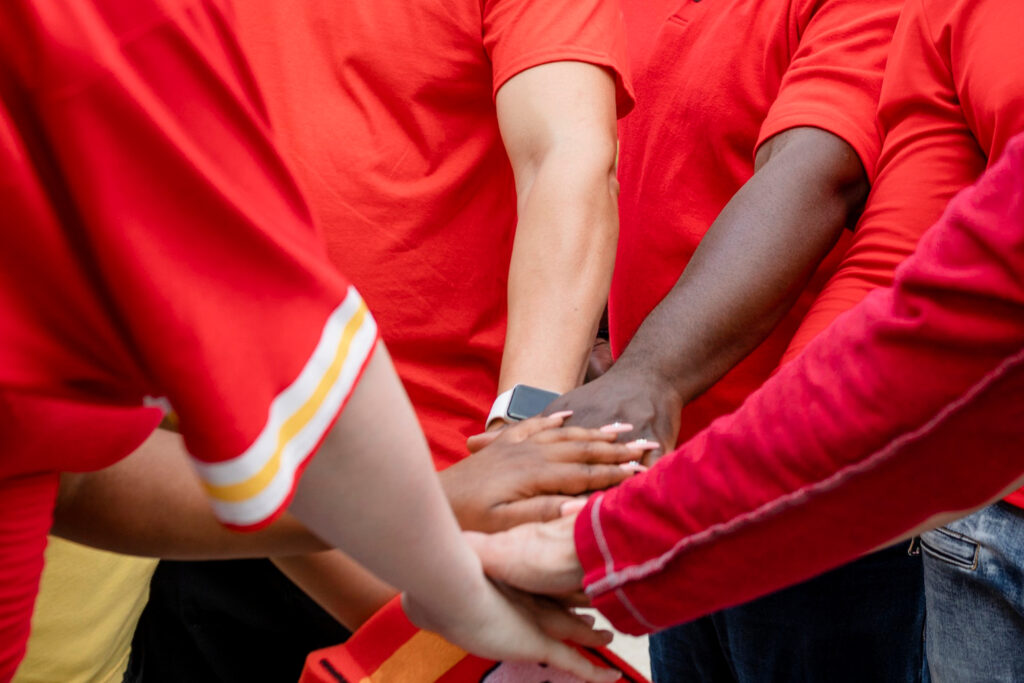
{"x": 658, "y": 382}
{"x": 518, "y": 403}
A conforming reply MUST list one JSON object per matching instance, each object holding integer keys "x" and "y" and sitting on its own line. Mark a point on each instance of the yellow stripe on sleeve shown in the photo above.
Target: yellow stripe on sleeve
{"x": 244, "y": 490}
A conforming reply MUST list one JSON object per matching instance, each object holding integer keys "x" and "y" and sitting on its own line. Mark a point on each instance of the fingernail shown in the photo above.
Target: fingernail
{"x": 561, "y": 414}
{"x": 633, "y": 466}
{"x": 571, "y": 507}
{"x": 617, "y": 428}
{"x": 643, "y": 445}
{"x": 587, "y": 619}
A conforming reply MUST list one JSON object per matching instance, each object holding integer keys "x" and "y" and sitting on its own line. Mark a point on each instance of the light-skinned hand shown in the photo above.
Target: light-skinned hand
{"x": 537, "y": 558}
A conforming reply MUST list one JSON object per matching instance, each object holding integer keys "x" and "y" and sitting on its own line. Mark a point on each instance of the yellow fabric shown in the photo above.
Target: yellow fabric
{"x": 89, "y": 602}
{"x": 426, "y": 653}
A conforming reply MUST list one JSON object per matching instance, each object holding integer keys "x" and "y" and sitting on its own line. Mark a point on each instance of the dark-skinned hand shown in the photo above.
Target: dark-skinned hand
{"x": 528, "y": 471}
{"x": 651, "y": 405}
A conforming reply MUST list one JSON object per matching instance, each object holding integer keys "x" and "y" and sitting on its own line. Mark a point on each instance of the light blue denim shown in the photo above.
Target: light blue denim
{"x": 974, "y": 588}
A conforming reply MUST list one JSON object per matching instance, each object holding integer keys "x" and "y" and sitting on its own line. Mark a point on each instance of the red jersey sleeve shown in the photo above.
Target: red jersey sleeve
{"x": 190, "y": 230}
{"x": 834, "y": 77}
{"x": 907, "y": 407}
{"x": 520, "y": 34}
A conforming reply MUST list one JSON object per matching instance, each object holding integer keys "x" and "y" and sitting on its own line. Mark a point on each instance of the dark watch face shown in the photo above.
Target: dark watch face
{"x": 528, "y": 401}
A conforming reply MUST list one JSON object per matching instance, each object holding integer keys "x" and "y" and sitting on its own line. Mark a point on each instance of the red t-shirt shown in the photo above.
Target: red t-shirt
{"x": 723, "y": 77}
{"x": 164, "y": 253}
{"x": 908, "y": 406}
{"x": 952, "y": 96}
{"x": 387, "y": 109}
{"x": 156, "y": 253}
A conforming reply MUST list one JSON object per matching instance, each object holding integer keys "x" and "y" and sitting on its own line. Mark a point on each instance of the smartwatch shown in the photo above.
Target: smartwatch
{"x": 520, "y": 402}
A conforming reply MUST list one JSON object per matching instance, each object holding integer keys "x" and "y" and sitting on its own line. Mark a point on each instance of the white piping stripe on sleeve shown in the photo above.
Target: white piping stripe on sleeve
{"x": 300, "y": 448}
{"x": 255, "y": 457}
{"x": 637, "y": 572}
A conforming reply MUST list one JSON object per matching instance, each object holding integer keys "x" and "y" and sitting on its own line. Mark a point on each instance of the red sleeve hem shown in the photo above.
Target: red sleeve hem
{"x": 301, "y": 468}
{"x": 830, "y": 120}
{"x": 624, "y": 97}
{"x": 596, "y": 560}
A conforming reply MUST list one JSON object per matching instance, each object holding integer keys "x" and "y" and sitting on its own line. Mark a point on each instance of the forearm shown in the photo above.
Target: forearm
{"x": 752, "y": 263}
{"x": 560, "y": 271}
{"x": 151, "y": 503}
{"x": 337, "y": 583}
{"x": 371, "y": 491}
{"x": 899, "y": 412}
{"x": 557, "y": 121}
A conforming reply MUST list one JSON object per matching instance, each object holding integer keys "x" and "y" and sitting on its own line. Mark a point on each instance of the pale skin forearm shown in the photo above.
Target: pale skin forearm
{"x": 371, "y": 490}
{"x": 558, "y": 124}
{"x": 152, "y": 503}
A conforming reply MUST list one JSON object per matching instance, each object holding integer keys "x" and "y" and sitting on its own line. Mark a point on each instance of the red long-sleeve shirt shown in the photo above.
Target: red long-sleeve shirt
{"x": 909, "y": 405}
{"x": 952, "y": 96}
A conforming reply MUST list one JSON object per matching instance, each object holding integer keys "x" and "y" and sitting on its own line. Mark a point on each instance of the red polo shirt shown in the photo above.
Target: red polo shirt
{"x": 156, "y": 253}
{"x": 387, "y": 109}
{"x": 722, "y": 77}
{"x": 952, "y": 96}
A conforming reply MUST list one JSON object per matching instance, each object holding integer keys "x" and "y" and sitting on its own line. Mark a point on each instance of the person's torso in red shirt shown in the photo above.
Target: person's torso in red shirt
{"x": 721, "y": 77}
{"x": 387, "y": 109}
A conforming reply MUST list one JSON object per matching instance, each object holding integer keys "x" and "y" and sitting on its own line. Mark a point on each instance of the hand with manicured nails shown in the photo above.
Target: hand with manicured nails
{"x": 528, "y": 471}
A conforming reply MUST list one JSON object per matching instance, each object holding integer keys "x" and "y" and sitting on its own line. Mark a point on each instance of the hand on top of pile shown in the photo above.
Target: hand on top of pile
{"x": 632, "y": 397}
{"x": 528, "y": 471}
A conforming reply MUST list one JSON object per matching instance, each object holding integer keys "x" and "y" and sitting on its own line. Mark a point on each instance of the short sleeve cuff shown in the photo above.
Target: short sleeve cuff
{"x": 250, "y": 490}
{"x": 865, "y": 143}
{"x": 624, "y": 96}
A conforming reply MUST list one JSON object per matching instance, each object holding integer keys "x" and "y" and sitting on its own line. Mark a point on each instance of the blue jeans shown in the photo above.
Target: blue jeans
{"x": 861, "y": 622}
{"x": 974, "y": 584}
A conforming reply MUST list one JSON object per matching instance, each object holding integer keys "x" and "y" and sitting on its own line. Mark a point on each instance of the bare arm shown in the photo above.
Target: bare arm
{"x": 903, "y": 412}
{"x": 748, "y": 270}
{"x": 371, "y": 491}
{"x": 558, "y": 124}
{"x": 525, "y": 474}
{"x": 151, "y": 503}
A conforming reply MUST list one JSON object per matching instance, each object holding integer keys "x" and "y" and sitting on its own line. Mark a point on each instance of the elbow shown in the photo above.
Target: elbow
{"x": 849, "y": 187}
{"x": 581, "y": 165}
{"x": 824, "y": 160}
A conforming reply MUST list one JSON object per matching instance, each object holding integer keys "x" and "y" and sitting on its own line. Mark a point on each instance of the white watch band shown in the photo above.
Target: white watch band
{"x": 499, "y": 409}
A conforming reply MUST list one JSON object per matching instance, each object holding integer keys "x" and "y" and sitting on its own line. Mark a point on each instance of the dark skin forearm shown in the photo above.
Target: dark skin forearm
{"x": 753, "y": 262}
{"x": 748, "y": 270}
